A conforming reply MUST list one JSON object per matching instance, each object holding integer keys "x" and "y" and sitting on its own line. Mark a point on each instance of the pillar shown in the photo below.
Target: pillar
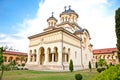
{"x": 46, "y": 57}
{"x": 65, "y": 58}
{"x": 33, "y": 58}
{"x": 53, "y": 57}
{"x": 59, "y": 56}
{"x": 38, "y": 57}
{"x": 29, "y": 56}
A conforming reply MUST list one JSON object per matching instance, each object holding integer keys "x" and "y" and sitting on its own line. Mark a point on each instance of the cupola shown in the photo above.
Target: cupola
{"x": 68, "y": 15}
{"x": 52, "y": 21}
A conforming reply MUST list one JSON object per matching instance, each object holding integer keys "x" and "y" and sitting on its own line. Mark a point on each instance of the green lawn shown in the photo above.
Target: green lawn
{"x": 40, "y": 75}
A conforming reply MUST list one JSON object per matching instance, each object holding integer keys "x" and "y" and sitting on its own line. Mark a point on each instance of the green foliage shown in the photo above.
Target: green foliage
{"x": 102, "y": 62}
{"x": 71, "y": 66}
{"x": 100, "y": 69}
{"x": 90, "y": 66}
{"x": 117, "y": 30}
{"x": 2, "y": 67}
{"x": 96, "y": 65}
{"x": 1, "y": 56}
{"x": 112, "y": 73}
{"x": 23, "y": 64}
{"x": 78, "y": 76}
{"x": 12, "y": 65}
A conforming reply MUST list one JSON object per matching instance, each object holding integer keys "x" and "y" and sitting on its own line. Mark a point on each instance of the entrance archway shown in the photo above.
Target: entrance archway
{"x": 42, "y": 56}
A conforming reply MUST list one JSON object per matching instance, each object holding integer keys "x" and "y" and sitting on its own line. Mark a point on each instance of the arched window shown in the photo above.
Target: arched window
{"x": 5, "y": 59}
{"x": 35, "y": 55}
{"x": 56, "y": 54}
{"x": 75, "y": 54}
{"x": 30, "y": 54}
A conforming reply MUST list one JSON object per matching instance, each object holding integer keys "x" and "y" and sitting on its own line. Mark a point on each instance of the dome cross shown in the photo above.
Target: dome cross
{"x": 69, "y": 7}
{"x": 52, "y": 14}
{"x": 65, "y": 8}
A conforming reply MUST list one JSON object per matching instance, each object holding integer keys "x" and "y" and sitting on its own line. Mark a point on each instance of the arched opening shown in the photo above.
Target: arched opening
{"x": 49, "y": 55}
{"x": 30, "y": 54}
{"x": 10, "y": 59}
{"x": 56, "y": 54}
{"x": 68, "y": 56}
{"x": 35, "y": 55}
{"x": 42, "y": 55}
{"x": 17, "y": 60}
{"x": 63, "y": 54}
{"x": 5, "y": 59}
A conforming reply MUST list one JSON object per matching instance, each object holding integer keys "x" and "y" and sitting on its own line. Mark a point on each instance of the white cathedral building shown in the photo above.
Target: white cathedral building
{"x": 59, "y": 43}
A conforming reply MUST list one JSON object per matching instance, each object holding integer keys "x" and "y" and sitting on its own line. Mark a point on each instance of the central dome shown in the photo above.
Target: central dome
{"x": 68, "y": 12}
{"x": 69, "y": 15}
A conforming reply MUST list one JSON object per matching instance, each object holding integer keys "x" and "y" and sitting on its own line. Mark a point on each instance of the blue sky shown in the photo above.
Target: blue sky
{"x": 15, "y": 11}
{"x": 22, "y": 18}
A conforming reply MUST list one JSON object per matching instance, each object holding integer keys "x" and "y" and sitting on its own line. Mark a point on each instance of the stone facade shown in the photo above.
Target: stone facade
{"x": 18, "y": 57}
{"x": 59, "y": 43}
{"x": 109, "y": 54}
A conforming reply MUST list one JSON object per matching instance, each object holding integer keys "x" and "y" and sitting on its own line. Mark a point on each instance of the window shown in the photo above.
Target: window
{"x": 75, "y": 54}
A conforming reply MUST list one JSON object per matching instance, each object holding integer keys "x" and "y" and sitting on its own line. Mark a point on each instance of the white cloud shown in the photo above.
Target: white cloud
{"x": 92, "y": 16}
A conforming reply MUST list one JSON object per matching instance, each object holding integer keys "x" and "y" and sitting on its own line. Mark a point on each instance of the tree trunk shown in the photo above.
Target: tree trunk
{"x": 1, "y": 74}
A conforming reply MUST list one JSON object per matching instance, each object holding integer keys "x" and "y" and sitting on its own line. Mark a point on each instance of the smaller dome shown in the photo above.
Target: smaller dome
{"x": 52, "y": 18}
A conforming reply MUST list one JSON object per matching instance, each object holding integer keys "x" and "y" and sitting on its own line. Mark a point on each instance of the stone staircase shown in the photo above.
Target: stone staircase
{"x": 37, "y": 67}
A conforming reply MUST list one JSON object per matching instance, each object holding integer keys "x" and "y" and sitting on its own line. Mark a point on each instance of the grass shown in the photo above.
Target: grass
{"x": 41, "y": 75}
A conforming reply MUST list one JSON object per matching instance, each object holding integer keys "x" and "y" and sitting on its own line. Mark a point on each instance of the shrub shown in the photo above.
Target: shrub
{"x": 71, "y": 66}
{"x": 23, "y": 64}
{"x": 78, "y": 76}
{"x": 102, "y": 62}
{"x": 25, "y": 68}
{"x": 100, "y": 69}
{"x": 112, "y": 73}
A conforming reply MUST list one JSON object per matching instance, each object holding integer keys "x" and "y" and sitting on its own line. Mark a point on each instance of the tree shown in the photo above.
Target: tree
{"x": 102, "y": 62}
{"x": 117, "y": 30}
{"x": 12, "y": 64}
{"x": 71, "y": 66}
{"x": 112, "y": 73}
{"x": 90, "y": 66}
{"x": 1, "y": 62}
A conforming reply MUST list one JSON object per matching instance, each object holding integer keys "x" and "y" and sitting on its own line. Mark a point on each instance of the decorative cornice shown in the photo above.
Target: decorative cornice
{"x": 53, "y": 31}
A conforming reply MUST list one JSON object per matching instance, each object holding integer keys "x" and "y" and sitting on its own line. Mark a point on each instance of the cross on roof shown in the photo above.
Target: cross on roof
{"x": 65, "y": 8}
{"x": 69, "y": 6}
{"x": 52, "y": 14}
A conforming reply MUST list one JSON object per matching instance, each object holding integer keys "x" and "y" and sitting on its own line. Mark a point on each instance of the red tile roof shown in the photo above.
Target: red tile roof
{"x": 104, "y": 51}
{"x": 15, "y": 53}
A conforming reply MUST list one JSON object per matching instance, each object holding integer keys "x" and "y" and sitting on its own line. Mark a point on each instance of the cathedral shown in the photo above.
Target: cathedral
{"x": 59, "y": 43}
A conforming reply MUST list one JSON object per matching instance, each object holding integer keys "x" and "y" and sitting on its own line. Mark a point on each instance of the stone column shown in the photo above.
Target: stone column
{"x": 29, "y": 56}
{"x": 46, "y": 58}
{"x": 33, "y": 58}
{"x": 38, "y": 57}
{"x": 65, "y": 58}
{"x": 59, "y": 57}
{"x": 52, "y": 57}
